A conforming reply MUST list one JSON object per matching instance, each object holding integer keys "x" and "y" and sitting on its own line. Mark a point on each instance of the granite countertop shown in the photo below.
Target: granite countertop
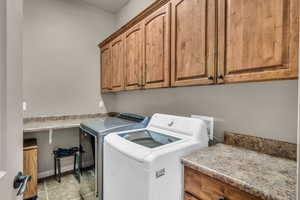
{"x": 47, "y": 125}
{"x": 57, "y": 122}
{"x": 259, "y": 174}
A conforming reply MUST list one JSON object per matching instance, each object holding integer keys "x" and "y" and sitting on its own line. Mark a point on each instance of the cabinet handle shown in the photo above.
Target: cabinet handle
{"x": 220, "y": 76}
{"x": 210, "y": 78}
{"x": 141, "y": 85}
{"x": 222, "y": 198}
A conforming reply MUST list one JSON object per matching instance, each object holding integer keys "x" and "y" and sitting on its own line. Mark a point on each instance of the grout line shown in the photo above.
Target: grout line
{"x": 46, "y": 190}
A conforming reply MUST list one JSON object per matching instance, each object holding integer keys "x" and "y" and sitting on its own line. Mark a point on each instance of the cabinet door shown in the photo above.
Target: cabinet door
{"x": 157, "y": 48}
{"x": 105, "y": 69}
{"x": 188, "y": 196}
{"x": 257, "y": 40}
{"x": 205, "y": 187}
{"x": 117, "y": 67}
{"x": 134, "y": 57}
{"x": 193, "y": 42}
{"x": 30, "y": 169}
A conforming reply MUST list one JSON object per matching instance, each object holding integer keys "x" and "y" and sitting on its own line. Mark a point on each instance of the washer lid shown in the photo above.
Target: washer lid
{"x": 148, "y": 138}
{"x": 100, "y": 125}
{"x": 143, "y": 144}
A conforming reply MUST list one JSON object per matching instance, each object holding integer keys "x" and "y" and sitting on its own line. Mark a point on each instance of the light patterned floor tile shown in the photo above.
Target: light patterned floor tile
{"x": 68, "y": 189}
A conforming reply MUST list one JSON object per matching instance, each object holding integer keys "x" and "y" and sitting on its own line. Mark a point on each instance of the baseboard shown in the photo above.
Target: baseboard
{"x": 48, "y": 173}
{"x": 66, "y": 168}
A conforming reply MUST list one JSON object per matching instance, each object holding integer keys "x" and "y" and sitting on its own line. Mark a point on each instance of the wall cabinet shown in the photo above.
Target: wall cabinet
{"x": 257, "y": 40}
{"x": 200, "y": 42}
{"x": 157, "y": 48}
{"x": 193, "y": 42}
{"x": 134, "y": 55}
{"x": 106, "y": 71}
{"x": 112, "y": 66}
{"x": 117, "y": 64}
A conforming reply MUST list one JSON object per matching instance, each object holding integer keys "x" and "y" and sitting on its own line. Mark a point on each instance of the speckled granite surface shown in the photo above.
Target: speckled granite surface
{"x": 259, "y": 174}
{"x": 66, "y": 117}
{"x": 268, "y": 146}
{"x": 58, "y": 122}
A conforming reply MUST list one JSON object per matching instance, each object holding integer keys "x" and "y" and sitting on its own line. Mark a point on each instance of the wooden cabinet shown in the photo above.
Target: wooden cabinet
{"x": 157, "y": 48}
{"x": 193, "y": 42}
{"x": 30, "y": 167}
{"x": 112, "y": 66}
{"x": 117, "y": 64}
{"x": 176, "y": 43}
{"x": 198, "y": 186}
{"x": 188, "y": 196}
{"x": 257, "y": 40}
{"x": 106, "y": 70}
{"x": 134, "y": 54}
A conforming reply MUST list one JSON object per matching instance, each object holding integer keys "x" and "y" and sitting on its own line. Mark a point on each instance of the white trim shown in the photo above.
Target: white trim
{"x": 51, "y": 172}
{"x": 66, "y": 168}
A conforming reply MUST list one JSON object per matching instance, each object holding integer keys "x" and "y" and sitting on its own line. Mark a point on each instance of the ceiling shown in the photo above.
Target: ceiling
{"x": 108, "y": 5}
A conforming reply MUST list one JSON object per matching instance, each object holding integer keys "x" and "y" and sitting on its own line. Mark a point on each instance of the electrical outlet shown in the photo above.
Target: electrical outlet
{"x": 24, "y": 106}
{"x": 209, "y": 123}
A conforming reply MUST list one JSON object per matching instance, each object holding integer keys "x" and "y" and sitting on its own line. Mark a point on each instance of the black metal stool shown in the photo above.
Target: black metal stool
{"x": 63, "y": 153}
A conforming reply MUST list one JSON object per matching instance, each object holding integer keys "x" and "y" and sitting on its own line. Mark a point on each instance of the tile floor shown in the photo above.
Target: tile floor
{"x": 68, "y": 189}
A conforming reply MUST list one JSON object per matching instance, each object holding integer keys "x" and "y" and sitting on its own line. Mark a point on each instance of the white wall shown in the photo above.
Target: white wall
{"x": 61, "y": 66}
{"x": 261, "y": 109}
{"x": 61, "y": 57}
{"x": 130, "y": 10}
{"x": 266, "y": 109}
{"x": 298, "y": 143}
{"x": 2, "y": 76}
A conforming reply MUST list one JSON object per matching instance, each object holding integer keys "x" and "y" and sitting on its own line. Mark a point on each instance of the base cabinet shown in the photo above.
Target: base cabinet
{"x": 199, "y": 186}
{"x": 30, "y": 151}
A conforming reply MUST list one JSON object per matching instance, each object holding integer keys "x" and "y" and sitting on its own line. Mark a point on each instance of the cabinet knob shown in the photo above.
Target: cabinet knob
{"x": 210, "y": 78}
{"x": 220, "y": 76}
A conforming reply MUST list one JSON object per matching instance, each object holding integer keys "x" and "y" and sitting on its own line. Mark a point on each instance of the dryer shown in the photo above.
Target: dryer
{"x": 144, "y": 164}
{"x": 91, "y": 138}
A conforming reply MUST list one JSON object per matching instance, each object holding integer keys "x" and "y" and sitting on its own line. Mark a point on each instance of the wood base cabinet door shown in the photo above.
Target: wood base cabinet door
{"x": 157, "y": 48}
{"x": 30, "y": 169}
{"x": 117, "y": 64}
{"x": 200, "y": 186}
{"x": 106, "y": 69}
{"x": 193, "y": 42}
{"x": 134, "y": 57}
{"x": 257, "y": 40}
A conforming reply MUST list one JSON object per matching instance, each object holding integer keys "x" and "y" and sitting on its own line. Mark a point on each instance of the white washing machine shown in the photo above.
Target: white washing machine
{"x": 145, "y": 164}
